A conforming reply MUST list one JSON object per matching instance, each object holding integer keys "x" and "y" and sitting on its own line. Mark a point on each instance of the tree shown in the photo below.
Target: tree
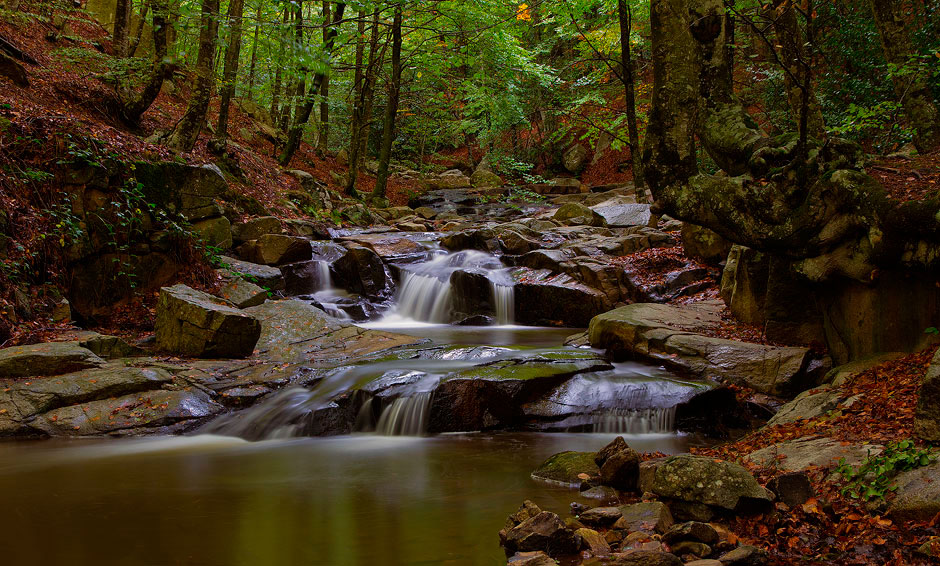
{"x": 230, "y": 71}
{"x": 391, "y": 109}
{"x": 184, "y": 135}
{"x": 122, "y": 16}
{"x": 910, "y": 85}
{"x": 625, "y": 19}
{"x": 135, "y": 105}
{"x": 363, "y": 93}
{"x": 323, "y": 137}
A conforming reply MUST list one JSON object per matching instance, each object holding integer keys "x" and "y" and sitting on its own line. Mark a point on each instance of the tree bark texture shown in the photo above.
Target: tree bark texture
{"x": 137, "y": 104}
{"x": 230, "y": 70}
{"x": 391, "y": 110}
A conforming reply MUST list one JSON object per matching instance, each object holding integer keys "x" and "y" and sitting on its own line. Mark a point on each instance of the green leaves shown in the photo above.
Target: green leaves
{"x": 874, "y": 478}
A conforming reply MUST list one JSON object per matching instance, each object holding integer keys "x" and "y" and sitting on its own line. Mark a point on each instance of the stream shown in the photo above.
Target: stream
{"x": 251, "y": 488}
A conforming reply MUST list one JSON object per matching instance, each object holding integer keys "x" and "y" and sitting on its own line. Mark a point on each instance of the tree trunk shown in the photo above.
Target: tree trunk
{"x": 139, "y": 32}
{"x": 797, "y": 60}
{"x": 912, "y": 89}
{"x": 626, "y": 19}
{"x": 297, "y": 130}
{"x": 323, "y": 139}
{"x": 135, "y": 107}
{"x": 184, "y": 135}
{"x": 254, "y": 53}
{"x": 391, "y": 111}
{"x": 368, "y": 90}
{"x": 122, "y": 16}
{"x": 230, "y": 71}
{"x": 353, "y": 171}
{"x": 276, "y": 92}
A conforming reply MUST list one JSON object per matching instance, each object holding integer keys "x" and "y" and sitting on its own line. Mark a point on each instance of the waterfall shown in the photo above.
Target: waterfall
{"x": 505, "y": 299}
{"x": 425, "y": 297}
{"x": 406, "y": 416}
{"x": 636, "y": 421}
{"x": 324, "y": 280}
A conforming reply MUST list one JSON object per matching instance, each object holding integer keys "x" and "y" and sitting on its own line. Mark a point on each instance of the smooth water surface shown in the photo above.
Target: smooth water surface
{"x": 361, "y": 500}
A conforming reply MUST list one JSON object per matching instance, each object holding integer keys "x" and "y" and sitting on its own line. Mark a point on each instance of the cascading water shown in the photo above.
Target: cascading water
{"x": 636, "y": 421}
{"x": 426, "y": 293}
{"x": 406, "y": 416}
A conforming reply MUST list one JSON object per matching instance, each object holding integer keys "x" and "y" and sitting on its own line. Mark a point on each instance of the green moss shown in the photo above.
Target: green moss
{"x": 565, "y": 467}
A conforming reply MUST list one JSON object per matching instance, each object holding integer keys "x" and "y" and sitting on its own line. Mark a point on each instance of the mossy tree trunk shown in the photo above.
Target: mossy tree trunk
{"x": 391, "y": 110}
{"x": 625, "y": 18}
{"x": 230, "y": 70}
{"x": 136, "y": 104}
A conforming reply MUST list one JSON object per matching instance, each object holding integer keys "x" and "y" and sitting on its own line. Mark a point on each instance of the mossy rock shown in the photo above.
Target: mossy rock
{"x": 566, "y": 467}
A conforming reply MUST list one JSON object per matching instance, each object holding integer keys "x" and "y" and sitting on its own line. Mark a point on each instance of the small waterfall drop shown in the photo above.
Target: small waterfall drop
{"x": 636, "y": 421}
{"x": 505, "y": 299}
{"x": 425, "y": 297}
{"x": 324, "y": 280}
{"x": 406, "y": 416}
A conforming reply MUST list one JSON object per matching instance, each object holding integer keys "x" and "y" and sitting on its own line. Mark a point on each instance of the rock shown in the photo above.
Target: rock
{"x": 744, "y": 556}
{"x": 452, "y": 179}
{"x": 600, "y": 516}
{"x": 484, "y": 178}
{"x": 619, "y": 465}
{"x": 389, "y": 245}
{"x": 918, "y": 494}
{"x": 695, "y": 548}
{"x": 215, "y": 232}
{"x": 602, "y": 493}
{"x": 537, "y": 558}
{"x": 930, "y": 548}
{"x": 193, "y": 323}
{"x": 691, "y": 531}
{"x": 927, "y": 414}
{"x": 255, "y": 228}
{"x": 616, "y": 212}
{"x": 567, "y": 468}
{"x": 699, "y": 479}
{"x": 243, "y": 294}
{"x": 793, "y": 488}
{"x": 668, "y": 334}
{"x": 277, "y": 249}
{"x": 649, "y": 517}
{"x": 645, "y": 558}
{"x": 99, "y": 282}
{"x": 110, "y": 347}
{"x": 188, "y": 190}
{"x": 744, "y": 284}
{"x": 546, "y": 299}
{"x": 704, "y": 245}
{"x": 11, "y": 69}
{"x": 808, "y": 405}
{"x": 545, "y": 531}
{"x": 704, "y": 562}
{"x": 802, "y": 453}
{"x": 262, "y": 275}
{"x": 362, "y": 271}
{"x": 574, "y": 214}
{"x": 50, "y": 358}
{"x": 575, "y": 158}
{"x": 62, "y": 311}
{"x": 425, "y": 212}
{"x": 841, "y": 375}
{"x": 128, "y": 413}
{"x": 526, "y": 511}
{"x": 593, "y": 542}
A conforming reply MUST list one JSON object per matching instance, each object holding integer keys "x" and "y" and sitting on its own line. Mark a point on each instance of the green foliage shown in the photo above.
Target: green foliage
{"x": 874, "y": 477}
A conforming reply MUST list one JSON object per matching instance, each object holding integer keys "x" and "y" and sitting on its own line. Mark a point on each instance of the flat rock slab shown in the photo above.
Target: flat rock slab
{"x": 197, "y": 324}
{"x": 918, "y": 494}
{"x": 617, "y": 212}
{"x": 819, "y": 452}
{"x": 671, "y": 335}
{"x": 295, "y": 331}
{"x": 50, "y": 358}
{"x": 152, "y": 409}
{"x": 388, "y": 245}
{"x": 263, "y": 275}
{"x": 648, "y": 517}
{"x": 243, "y": 294}
{"x": 808, "y": 405}
{"x": 567, "y": 468}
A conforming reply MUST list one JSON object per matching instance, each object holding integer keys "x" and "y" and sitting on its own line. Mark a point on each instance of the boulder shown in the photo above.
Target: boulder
{"x": 744, "y": 556}
{"x": 451, "y": 179}
{"x": 50, "y": 358}
{"x": 574, "y": 214}
{"x": 276, "y": 249}
{"x": 818, "y": 452}
{"x": 388, "y": 245}
{"x": 704, "y": 244}
{"x": 255, "y": 228}
{"x": 648, "y": 517}
{"x": 536, "y": 558}
{"x": 110, "y": 347}
{"x": 600, "y": 516}
{"x": 215, "y": 232}
{"x": 483, "y": 178}
{"x": 362, "y": 271}
{"x": 262, "y": 275}
{"x": 619, "y": 465}
{"x": 567, "y": 468}
{"x": 543, "y": 298}
{"x": 807, "y": 405}
{"x": 917, "y": 494}
{"x": 645, "y": 558}
{"x": 744, "y": 284}
{"x": 100, "y": 282}
{"x": 703, "y": 480}
{"x": 575, "y": 158}
{"x": 193, "y": 323}
{"x": 545, "y": 531}
{"x": 692, "y": 548}
{"x": 691, "y": 531}
{"x": 188, "y": 190}
{"x": 617, "y": 212}
{"x": 592, "y": 542}
{"x": 927, "y": 414}
{"x": 243, "y": 294}
{"x": 670, "y": 335}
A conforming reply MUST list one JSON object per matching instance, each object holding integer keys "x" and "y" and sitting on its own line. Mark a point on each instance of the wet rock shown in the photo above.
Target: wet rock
{"x": 811, "y": 451}
{"x": 546, "y": 299}
{"x": 574, "y": 214}
{"x": 717, "y": 413}
{"x": 390, "y": 245}
{"x": 526, "y": 511}
{"x": 918, "y": 494}
{"x": 793, "y": 488}
{"x": 193, "y": 323}
{"x": 51, "y": 358}
{"x": 648, "y": 517}
{"x": 645, "y": 558}
{"x": 149, "y": 410}
{"x": 485, "y": 178}
{"x": 593, "y": 542}
{"x": 927, "y": 414}
{"x": 600, "y": 516}
{"x": 575, "y": 158}
{"x": 704, "y": 562}
{"x": 110, "y": 347}
{"x": 452, "y": 179}
{"x": 540, "y": 532}
{"x": 255, "y": 228}
{"x": 691, "y": 531}
{"x": 243, "y": 294}
{"x": 688, "y": 547}
{"x": 262, "y": 275}
{"x": 619, "y": 212}
{"x": 537, "y": 558}
{"x": 619, "y": 465}
{"x": 744, "y": 556}
{"x": 601, "y": 493}
{"x": 808, "y": 405}
{"x": 668, "y": 334}
{"x": 704, "y": 245}
{"x": 276, "y": 249}
{"x": 699, "y": 479}
{"x": 567, "y": 468}
{"x": 361, "y": 271}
